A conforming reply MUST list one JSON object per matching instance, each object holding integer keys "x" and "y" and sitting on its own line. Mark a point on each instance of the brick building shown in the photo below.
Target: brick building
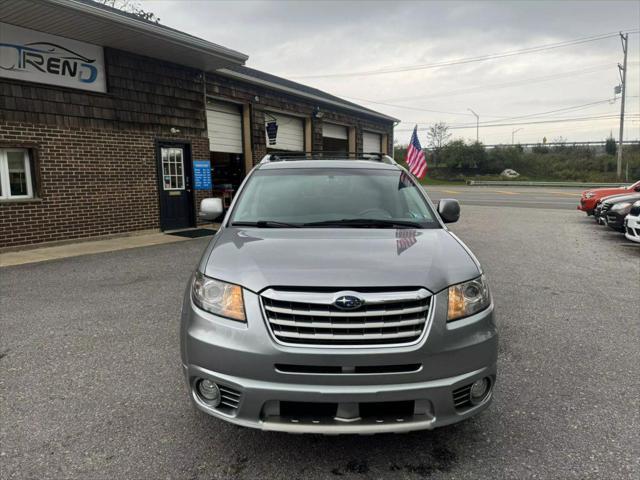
{"x": 109, "y": 124}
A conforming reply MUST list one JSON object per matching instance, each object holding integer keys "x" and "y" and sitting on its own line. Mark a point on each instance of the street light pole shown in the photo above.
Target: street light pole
{"x": 513, "y": 132}
{"x": 477, "y": 125}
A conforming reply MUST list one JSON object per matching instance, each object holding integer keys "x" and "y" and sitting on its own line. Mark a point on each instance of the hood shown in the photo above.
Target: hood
{"x": 623, "y": 198}
{"x": 257, "y": 258}
{"x": 603, "y": 192}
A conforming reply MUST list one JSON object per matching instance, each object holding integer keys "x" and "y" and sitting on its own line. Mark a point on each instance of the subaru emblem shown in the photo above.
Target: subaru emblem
{"x": 348, "y": 302}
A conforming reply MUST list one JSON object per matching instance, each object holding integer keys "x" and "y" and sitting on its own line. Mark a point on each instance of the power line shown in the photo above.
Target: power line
{"x": 571, "y": 73}
{"x": 461, "y": 61}
{"x": 514, "y": 83}
{"x": 542, "y": 114}
{"x": 419, "y": 109}
{"x": 559, "y": 110}
{"x": 559, "y": 120}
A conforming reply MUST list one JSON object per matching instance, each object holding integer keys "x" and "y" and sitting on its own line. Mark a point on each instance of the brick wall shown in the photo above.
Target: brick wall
{"x": 89, "y": 182}
{"x": 96, "y": 168}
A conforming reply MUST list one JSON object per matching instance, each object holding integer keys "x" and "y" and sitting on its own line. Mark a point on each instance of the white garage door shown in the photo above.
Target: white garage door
{"x": 371, "y": 142}
{"x": 290, "y": 134}
{"x": 331, "y": 130}
{"x": 224, "y": 125}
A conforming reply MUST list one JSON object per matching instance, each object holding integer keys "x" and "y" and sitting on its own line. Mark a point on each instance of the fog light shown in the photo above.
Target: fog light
{"x": 209, "y": 391}
{"x": 479, "y": 390}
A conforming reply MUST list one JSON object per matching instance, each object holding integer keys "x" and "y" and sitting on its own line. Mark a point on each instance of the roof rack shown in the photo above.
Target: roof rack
{"x": 288, "y": 156}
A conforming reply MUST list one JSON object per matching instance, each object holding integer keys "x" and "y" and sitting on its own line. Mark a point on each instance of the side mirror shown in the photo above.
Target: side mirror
{"x": 449, "y": 210}
{"x": 211, "y": 209}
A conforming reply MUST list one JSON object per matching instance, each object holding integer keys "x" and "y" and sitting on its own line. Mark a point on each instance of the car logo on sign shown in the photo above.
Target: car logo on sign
{"x": 348, "y": 302}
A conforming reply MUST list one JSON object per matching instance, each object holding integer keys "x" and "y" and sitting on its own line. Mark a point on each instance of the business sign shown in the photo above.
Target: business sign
{"x": 39, "y": 57}
{"x": 202, "y": 174}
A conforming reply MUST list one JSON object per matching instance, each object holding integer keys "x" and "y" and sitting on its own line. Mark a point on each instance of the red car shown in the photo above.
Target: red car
{"x": 590, "y": 198}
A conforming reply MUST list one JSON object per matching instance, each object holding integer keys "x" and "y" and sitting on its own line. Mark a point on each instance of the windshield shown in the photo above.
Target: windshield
{"x": 347, "y": 197}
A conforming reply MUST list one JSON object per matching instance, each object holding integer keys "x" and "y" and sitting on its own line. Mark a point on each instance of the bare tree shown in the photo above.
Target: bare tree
{"x": 437, "y": 137}
{"x": 131, "y": 6}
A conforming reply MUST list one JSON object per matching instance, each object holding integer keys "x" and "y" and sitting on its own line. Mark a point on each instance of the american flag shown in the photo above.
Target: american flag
{"x": 415, "y": 156}
{"x": 405, "y": 238}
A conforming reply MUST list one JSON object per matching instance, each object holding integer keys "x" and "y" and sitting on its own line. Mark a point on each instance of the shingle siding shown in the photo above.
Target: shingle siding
{"x": 143, "y": 94}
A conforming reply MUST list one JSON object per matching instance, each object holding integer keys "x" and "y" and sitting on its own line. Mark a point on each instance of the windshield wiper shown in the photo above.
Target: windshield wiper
{"x": 266, "y": 224}
{"x": 365, "y": 222}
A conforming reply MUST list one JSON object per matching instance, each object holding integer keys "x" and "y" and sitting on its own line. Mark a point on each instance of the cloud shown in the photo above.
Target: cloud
{"x": 295, "y": 39}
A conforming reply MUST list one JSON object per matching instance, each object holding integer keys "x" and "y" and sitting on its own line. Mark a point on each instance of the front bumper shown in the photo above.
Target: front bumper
{"x": 242, "y": 359}
{"x": 615, "y": 220}
{"x": 586, "y": 205}
{"x": 632, "y": 228}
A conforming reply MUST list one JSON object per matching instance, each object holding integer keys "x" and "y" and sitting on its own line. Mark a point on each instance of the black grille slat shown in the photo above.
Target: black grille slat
{"x": 229, "y": 399}
{"x": 462, "y": 397}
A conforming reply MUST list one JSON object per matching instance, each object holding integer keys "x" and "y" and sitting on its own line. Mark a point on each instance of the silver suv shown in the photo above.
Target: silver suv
{"x": 333, "y": 299}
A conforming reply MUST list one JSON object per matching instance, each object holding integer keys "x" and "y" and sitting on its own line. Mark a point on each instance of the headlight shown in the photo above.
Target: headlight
{"x": 468, "y": 298}
{"x": 589, "y": 195}
{"x": 621, "y": 206}
{"x": 219, "y": 298}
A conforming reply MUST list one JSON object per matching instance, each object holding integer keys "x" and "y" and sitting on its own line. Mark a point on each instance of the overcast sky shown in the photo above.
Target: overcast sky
{"x": 300, "y": 39}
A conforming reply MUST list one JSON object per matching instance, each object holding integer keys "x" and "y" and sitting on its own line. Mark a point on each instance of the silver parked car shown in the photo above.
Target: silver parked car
{"x": 333, "y": 299}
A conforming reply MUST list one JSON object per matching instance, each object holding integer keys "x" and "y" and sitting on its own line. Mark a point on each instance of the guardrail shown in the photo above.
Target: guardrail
{"x": 507, "y": 183}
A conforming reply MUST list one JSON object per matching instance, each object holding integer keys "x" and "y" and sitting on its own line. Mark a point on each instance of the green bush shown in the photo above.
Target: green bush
{"x": 464, "y": 157}
{"x": 459, "y": 161}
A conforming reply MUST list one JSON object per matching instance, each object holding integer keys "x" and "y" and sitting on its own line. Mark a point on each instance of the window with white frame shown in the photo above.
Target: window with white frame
{"x": 15, "y": 174}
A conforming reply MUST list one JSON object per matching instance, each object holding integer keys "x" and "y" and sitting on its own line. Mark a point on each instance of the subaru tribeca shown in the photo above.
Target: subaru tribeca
{"x": 333, "y": 299}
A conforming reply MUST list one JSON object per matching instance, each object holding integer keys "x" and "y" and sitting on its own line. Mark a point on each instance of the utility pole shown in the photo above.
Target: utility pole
{"x": 622, "y": 70}
{"x": 513, "y": 132}
{"x": 477, "y": 125}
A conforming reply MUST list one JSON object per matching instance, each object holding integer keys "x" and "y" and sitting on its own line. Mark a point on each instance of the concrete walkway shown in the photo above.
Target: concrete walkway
{"x": 44, "y": 254}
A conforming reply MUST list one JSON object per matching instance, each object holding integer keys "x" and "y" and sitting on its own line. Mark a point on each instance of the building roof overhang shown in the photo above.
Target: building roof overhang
{"x": 104, "y": 26}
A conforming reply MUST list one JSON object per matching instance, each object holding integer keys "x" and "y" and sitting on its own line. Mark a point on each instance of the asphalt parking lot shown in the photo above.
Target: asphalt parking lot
{"x": 495, "y": 196}
{"x": 91, "y": 387}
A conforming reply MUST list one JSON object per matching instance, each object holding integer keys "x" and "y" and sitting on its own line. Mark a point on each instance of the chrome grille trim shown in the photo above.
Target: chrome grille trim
{"x": 357, "y": 313}
{"x": 322, "y": 298}
{"x": 293, "y": 323}
{"x": 310, "y": 318}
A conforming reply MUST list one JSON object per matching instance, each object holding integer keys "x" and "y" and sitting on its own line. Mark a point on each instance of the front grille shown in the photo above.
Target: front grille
{"x": 229, "y": 399}
{"x": 311, "y": 317}
{"x": 462, "y": 397}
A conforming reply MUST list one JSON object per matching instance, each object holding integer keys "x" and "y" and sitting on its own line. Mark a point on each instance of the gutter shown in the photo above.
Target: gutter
{"x": 150, "y": 29}
{"x": 265, "y": 83}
